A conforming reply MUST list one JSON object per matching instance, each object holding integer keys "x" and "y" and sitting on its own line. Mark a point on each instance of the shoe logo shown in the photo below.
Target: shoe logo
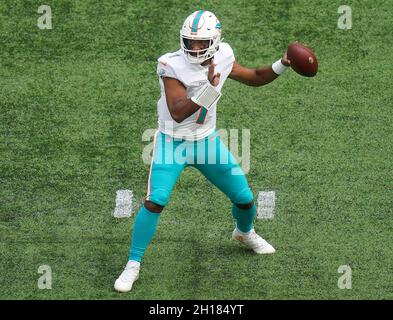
{"x": 240, "y": 238}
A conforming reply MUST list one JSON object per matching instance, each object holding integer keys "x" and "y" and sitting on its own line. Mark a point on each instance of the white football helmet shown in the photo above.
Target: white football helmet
{"x": 201, "y": 25}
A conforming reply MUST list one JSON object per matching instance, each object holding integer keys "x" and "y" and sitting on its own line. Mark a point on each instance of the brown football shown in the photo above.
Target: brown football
{"x": 303, "y": 59}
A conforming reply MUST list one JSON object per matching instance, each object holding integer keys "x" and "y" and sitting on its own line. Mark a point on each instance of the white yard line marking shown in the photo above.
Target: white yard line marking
{"x": 266, "y": 204}
{"x": 123, "y": 204}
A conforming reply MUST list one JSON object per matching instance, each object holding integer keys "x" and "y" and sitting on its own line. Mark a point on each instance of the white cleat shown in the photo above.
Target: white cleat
{"x": 253, "y": 241}
{"x": 128, "y": 277}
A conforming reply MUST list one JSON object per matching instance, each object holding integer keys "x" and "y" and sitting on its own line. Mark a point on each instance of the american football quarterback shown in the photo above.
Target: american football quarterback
{"x": 191, "y": 80}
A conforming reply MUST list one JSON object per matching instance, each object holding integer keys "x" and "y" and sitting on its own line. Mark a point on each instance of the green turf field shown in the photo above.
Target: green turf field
{"x": 75, "y": 100}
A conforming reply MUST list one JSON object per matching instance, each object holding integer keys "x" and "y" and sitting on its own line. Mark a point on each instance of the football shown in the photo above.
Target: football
{"x": 303, "y": 59}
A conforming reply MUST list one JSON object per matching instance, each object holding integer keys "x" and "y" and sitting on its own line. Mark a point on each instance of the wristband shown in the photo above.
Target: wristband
{"x": 207, "y": 96}
{"x": 278, "y": 67}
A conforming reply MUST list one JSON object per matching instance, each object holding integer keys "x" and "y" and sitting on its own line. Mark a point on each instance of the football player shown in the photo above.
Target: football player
{"x": 191, "y": 80}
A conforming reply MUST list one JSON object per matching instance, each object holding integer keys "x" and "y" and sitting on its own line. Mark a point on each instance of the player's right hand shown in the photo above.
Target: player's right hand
{"x": 285, "y": 61}
{"x": 214, "y": 79}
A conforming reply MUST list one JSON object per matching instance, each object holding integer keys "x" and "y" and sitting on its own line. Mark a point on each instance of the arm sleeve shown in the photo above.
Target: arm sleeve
{"x": 228, "y": 52}
{"x": 232, "y": 55}
{"x": 165, "y": 70}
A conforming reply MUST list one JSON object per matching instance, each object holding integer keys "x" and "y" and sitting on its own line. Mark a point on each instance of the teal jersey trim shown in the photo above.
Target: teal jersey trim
{"x": 202, "y": 116}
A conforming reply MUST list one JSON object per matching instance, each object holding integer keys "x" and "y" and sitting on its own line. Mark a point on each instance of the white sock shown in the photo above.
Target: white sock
{"x": 133, "y": 263}
{"x": 243, "y": 233}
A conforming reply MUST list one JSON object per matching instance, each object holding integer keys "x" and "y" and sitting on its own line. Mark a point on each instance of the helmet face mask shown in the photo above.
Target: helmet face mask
{"x": 201, "y": 55}
{"x": 199, "y": 26}
{"x": 188, "y": 44}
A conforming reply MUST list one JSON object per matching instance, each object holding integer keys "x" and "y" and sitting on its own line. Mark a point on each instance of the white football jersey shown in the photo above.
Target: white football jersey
{"x": 175, "y": 65}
